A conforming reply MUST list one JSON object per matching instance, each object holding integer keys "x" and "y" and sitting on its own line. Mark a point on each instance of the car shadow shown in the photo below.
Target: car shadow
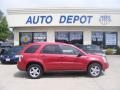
{"x": 8, "y": 63}
{"x": 65, "y": 75}
{"x": 22, "y": 74}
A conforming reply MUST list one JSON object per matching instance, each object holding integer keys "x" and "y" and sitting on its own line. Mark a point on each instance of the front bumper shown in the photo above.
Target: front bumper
{"x": 9, "y": 60}
{"x": 105, "y": 66}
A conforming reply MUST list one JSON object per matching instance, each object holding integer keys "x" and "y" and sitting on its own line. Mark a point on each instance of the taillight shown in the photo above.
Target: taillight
{"x": 20, "y": 57}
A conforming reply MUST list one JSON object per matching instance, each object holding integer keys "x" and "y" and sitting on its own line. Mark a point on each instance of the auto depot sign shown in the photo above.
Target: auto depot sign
{"x": 63, "y": 20}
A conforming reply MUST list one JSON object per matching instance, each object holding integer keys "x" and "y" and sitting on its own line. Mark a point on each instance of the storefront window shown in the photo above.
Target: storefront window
{"x": 97, "y": 38}
{"x": 25, "y": 38}
{"x": 105, "y": 39}
{"x": 69, "y": 37}
{"x": 30, "y": 37}
{"x": 111, "y": 39}
{"x": 76, "y": 37}
{"x": 39, "y": 37}
{"x": 62, "y": 37}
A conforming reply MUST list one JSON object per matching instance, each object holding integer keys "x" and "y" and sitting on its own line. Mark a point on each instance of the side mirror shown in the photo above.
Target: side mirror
{"x": 79, "y": 55}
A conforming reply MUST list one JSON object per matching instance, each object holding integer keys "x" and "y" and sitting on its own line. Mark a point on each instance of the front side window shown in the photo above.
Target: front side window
{"x": 69, "y": 50}
{"x": 51, "y": 49}
{"x": 32, "y": 49}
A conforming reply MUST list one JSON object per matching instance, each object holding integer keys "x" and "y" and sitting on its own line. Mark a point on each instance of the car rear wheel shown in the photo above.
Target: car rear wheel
{"x": 34, "y": 71}
{"x": 94, "y": 70}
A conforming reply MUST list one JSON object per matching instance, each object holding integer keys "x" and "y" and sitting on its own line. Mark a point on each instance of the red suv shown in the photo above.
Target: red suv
{"x": 37, "y": 58}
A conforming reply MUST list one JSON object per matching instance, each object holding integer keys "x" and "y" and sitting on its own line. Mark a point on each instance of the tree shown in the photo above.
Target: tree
{"x": 4, "y": 31}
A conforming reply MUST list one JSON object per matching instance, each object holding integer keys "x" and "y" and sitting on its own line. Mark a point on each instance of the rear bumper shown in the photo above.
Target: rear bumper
{"x": 21, "y": 66}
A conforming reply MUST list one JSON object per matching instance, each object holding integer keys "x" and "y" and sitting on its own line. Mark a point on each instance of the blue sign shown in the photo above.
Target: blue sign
{"x": 39, "y": 19}
{"x": 74, "y": 19}
{"x": 105, "y": 19}
{"x": 63, "y": 19}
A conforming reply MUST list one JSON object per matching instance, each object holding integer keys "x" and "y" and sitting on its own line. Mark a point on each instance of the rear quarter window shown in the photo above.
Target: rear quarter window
{"x": 32, "y": 49}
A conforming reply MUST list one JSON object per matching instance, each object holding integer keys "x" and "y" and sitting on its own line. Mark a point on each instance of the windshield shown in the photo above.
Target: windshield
{"x": 91, "y": 47}
{"x": 13, "y": 50}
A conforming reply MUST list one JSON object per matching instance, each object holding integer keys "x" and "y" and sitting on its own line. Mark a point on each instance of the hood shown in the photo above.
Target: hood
{"x": 94, "y": 52}
{"x": 94, "y": 56}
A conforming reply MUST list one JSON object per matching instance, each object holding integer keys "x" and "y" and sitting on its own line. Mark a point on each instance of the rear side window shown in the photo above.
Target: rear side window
{"x": 32, "y": 49}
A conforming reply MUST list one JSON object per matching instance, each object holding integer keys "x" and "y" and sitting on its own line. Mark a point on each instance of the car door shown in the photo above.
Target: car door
{"x": 51, "y": 57}
{"x": 71, "y": 60}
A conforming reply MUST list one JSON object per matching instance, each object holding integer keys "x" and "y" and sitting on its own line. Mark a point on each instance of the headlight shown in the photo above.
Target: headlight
{"x": 16, "y": 56}
{"x": 104, "y": 59}
{"x": 1, "y": 56}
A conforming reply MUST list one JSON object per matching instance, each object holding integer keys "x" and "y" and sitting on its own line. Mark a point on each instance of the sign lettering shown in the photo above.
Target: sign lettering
{"x": 63, "y": 19}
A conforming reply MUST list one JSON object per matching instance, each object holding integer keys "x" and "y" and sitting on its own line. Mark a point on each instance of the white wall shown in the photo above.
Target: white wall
{"x": 91, "y": 17}
{"x": 16, "y": 37}
{"x": 119, "y": 38}
{"x": 86, "y": 37}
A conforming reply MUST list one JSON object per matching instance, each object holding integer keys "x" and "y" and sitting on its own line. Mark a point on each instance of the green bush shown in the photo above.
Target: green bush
{"x": 118, "y": 51}
{"x": 109, "y": 51}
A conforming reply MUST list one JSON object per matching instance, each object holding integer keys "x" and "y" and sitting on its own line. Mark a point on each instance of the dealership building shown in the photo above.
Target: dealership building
{"x": 69, "y": 25}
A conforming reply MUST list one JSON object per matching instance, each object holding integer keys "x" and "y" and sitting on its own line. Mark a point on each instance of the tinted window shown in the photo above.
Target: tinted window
{"x": 51, "y": 49}
{"x": 25, "y": 38}
{"x": 39, "y": 36}
{"x": 13, "y": 50}
{"x": 69, "y": 50}
{"x": 105, "y": 39}
{"x": 32, "y": 49}
{"x": 91, "y": 47}
{"x": 69, "y": 37}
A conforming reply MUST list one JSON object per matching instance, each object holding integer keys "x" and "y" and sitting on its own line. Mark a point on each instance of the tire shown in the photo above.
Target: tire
{"x": 34, "y": 71}
{"x": 94, "y": 70}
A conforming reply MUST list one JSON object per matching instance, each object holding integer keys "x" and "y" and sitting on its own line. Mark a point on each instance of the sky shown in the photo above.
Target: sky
{"x": 7, "y": 4}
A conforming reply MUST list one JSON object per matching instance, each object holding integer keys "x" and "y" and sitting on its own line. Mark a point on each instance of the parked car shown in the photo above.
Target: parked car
{"x": 4, "y": 46}
{"x": 93, "y": 49}
{"x": 10, "y": 55}
{"x": 37, "y": 58}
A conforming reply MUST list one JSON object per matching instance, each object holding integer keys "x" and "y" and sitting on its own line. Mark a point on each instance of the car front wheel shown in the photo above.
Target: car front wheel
{"x": 34, "y": 71}
{"x": 94, "y": 70}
